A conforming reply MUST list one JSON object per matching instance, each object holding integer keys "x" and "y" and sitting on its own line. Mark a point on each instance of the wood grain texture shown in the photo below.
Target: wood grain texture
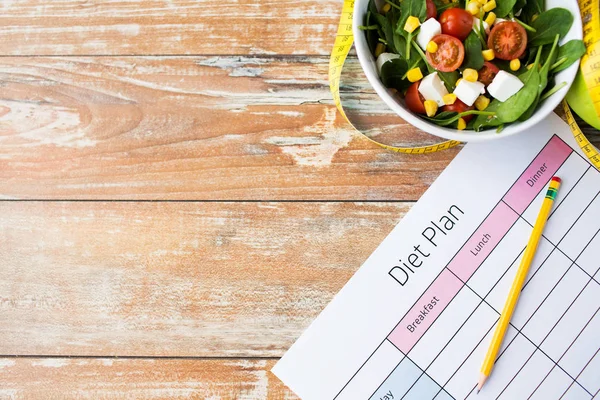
{"x": 109, "y": 378}
{"x": 222, "y": 128}
{"x": 176, "y": 279}
{"x": 167, "y": 27}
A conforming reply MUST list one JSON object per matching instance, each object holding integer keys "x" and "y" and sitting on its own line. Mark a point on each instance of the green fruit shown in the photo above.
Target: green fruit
{"x": 581, "y": 102}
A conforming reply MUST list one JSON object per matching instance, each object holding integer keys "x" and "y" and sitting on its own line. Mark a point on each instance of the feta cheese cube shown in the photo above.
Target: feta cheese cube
{"x": 432, "y": 88}
{"x": 383, "y": 58}
{"x": 468, "y": 92}
{"x": 477, "y": 21}
{"x": 428, "y": 30}
{"x": 504, "y": 85}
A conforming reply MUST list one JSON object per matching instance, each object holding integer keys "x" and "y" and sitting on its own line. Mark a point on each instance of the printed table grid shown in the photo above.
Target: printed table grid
{"x": 456, "y": 275}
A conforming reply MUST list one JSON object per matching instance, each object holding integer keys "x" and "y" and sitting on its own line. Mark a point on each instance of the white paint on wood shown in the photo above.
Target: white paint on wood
{"x": 316, "y": 151}
{"x": 51, "y": 363}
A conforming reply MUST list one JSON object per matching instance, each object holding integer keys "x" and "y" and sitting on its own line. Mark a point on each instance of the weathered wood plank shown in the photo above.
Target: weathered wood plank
{"x": 199, "y": 128}
{"x": 176, "y": 278}
{"x": 109, "y": 378}
{"x": 163, "y": 27}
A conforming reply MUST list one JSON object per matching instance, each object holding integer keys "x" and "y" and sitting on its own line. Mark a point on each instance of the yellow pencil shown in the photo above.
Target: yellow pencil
{"x": 517, "y": 285}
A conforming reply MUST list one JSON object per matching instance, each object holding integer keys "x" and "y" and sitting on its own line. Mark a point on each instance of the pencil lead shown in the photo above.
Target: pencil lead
{"x": 478, "y": 391}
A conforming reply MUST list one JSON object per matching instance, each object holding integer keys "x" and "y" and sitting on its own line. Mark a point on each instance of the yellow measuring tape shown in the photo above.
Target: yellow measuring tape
{"x": 590, "y": 65}
{"x": 341, "y": 48}
{"x": 590, "y": 68}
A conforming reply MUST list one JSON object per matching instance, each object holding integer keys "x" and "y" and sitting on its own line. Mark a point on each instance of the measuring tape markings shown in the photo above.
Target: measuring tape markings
{"x": 590, "y": 69}
{"x": 590, "y": 66}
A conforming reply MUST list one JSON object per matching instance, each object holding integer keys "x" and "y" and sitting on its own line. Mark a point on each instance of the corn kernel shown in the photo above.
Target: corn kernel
{"x": 414, "y": 74}
{"x": 482, "y": 2}
{"x": 449, "y": 98}
{"x": 461, "y": 125}
{"x": 491, "y": 18}
{"x": 432, "y": 47}
{"x": 481, "y": 103}
{"x": 515, "y": 64}
{"x": 530, "y": 66}
{"x": 534, "y": 17}
{"x": 380, "y": 48}
{"x": 470, "y": 74}
{"x": 489, "y": 6}
{"x": 411, "y": 24}
{"x": 387, "y": 7}
{"x": 458, "y": 81}
{"x": 473, "y": 8}
{"x": 431, "y": 107}
{"x": 488, "y": 55}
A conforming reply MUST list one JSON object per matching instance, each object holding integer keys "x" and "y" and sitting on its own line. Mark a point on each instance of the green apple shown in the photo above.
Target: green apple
{"x": 581, "y": 102}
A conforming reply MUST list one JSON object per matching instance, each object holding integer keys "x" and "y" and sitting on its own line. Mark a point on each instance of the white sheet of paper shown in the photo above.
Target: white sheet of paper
{"x": 416, "y": 319}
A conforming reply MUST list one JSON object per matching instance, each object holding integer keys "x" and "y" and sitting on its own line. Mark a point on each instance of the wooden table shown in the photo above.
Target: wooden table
{"x": 179, "y": 197}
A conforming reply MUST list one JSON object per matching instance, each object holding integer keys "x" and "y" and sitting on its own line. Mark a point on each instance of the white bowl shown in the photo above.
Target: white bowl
{"x": 546, "y": 107}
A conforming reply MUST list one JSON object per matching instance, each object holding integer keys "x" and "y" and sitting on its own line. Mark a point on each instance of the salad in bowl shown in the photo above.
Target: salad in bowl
{"x": 477, "y": 66}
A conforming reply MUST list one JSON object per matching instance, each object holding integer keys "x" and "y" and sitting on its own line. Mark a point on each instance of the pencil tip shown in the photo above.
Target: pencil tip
{"x": 482, "y": 379}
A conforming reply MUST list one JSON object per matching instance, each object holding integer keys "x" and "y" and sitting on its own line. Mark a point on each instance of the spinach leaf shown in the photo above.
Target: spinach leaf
{"x": 503, "y": 7}
{"x": 388, "y": 31}
{"x": 420, "y": 53}
{"x": 445, "y": 115}
{"x": 439, "y": 4}
{"x": 373, "y": 7}
{"x": 400, "y": 45}
{"x": 550, "y": 58}
{"x": 543, "y": 74}
{"x": 531, "y": 8}
{"x": 449, "y": 79}
{"x": 548, "y": 25}
{"x": 415, "y": 8}
{"x": 392, "y": 73}
{"x": 518, "y": 103}
{"x": 448, "y": 117}
{"x": 473, "y": 57}
{"x": 372, "y": 36}
{"x": 568, "y": 53}
{"x": 519, "y": 5}
{"x": 486, "y": 121}
{"x": 441, "y": 117}
{"x": 444, "y": 7}
{"x": 531, "y": 109}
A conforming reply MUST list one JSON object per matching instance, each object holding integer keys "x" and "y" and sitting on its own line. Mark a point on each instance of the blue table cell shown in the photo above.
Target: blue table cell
{"x": 443, "y": 395}
{"x": 424, "y": 389}
{"x": 399, "y": 382}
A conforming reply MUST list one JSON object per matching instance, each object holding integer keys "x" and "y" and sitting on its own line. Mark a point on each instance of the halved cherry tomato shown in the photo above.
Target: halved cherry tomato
{"x": 431, "y": 10}
{"x": 456, "y": 22}
{"x": 487, "y": 73}
{"x": 414, "y": 100}
{"x": 508, "y": 40}
{"x": 459, "y": 107}
{"x": 449, "y": 55}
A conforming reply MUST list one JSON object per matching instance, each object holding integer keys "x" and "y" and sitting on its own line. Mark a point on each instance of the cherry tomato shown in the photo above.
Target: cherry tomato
{"x": 487, "y": 73}
{"x": 414, "y": 100}
{"x": 449, "y": 55}
{"x": 508, "y": 40}
{"x": 456, "y": 22}
{"x": 459, "y": 107}
{"x": 431, "y": 10}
